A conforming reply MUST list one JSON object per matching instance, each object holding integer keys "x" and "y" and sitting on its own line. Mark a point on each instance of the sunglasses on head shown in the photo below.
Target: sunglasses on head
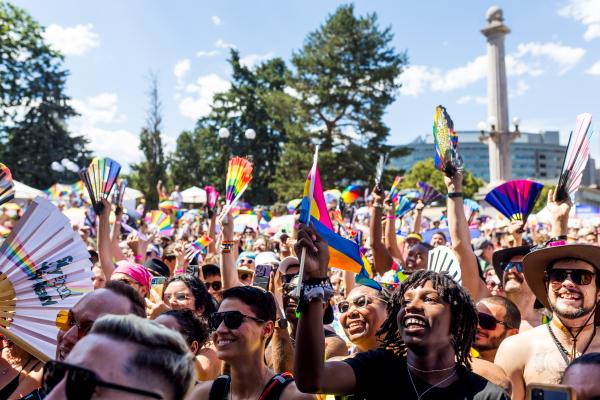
{"x": 514, "y": 264}
{"x": 579, "y": 277}
{"x": 65, "y": 320}
{"x": 232, "y": 319}
{"x": 82, "y": 382}
{"x": 216, "y": 285}
{"x": 287, "y": 278}
{"x": 488, "y": 322}
{"x": 358, "y": 302}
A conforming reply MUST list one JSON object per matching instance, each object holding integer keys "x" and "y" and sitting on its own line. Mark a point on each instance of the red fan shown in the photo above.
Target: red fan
{"x": 515, "y": 199}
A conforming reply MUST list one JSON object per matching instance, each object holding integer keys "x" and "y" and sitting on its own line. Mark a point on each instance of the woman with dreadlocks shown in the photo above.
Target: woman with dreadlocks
{"x": 427, "y": 336}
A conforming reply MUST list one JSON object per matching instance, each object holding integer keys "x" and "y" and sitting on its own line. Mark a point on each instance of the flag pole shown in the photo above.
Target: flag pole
{"x": 311, "y": 190}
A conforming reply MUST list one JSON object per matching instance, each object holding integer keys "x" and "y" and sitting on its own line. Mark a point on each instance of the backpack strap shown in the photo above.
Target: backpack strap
{"x": 276, "y": 386}
{"x": 220, "y": 388}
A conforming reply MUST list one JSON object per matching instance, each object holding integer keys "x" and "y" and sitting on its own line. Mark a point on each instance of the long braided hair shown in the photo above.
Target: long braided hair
{"x": 462, "y": 308}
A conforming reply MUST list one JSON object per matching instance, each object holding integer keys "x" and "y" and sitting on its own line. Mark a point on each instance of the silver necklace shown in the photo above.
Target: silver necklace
{"x": 430, "y": 370}
{"x": 419, "y": 396}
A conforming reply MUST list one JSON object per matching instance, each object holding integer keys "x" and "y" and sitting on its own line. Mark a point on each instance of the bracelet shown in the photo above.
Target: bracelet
{"x": 227, "y": 242}
{"x": 391, "y": 217}
{"x": 454, "y": 195}
{"x": 137, "y": 258}
{"x": 377, "y": 205}
{"x": 315, "y": 288}
{"x": 225, "y": 250}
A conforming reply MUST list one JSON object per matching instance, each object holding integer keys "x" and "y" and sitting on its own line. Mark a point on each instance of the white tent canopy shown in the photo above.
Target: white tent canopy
{"x": 194, "y": 194}
{"x": 130, "y": 197}
{"x": 24, "y": 193}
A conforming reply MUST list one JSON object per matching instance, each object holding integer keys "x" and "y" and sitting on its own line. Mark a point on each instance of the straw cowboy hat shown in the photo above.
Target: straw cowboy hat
{"x": 536, "y": 262}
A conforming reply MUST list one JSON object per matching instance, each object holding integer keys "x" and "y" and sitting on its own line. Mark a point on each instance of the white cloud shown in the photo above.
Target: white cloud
{"x": 211, "y": 53}
{"x": 481, "y": 100}
{"x": 594, "y": 69}
{"x": 98, "y": 113}
{"x": 565, "y": 56}
{"x": 587, "y": 12}
{"x": 198, "y": 105}
{"x": 221, "y": 44}
{"x": 180, "y": 69}
{"x": 460, "y": 77}
{"x": 76, "y": 40}
{"x": 521, "y": 89}
{"x": 252, "y": 60}
{"x": 216, "y": 20}
{"x": 416, "y": 79}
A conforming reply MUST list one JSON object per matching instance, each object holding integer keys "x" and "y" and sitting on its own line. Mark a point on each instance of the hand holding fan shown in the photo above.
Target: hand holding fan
{"x": 515, "y": 199}
{"x": 428, "y": 193}
{"x": 99, "y": 178}
{"x": 443, "y": 260}
{"x": 44, "y": 271}
{"x": 119, "y": 193}
{"x": 447, "y": 158}
{"x": 576, "y": 158}
{"x": 380, "y": 167}
{"x": 7, "y": 187}
{"x": 239, "y": 175}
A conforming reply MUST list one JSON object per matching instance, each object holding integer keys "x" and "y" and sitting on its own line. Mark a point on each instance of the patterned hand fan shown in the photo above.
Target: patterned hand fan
{"x": 351, "y": 194}
{"x": 442, "y": 260}
{"x": 212, "y": 196}
{"x": 515, "y": 199}
{"x": 379, "y": 169}
{"x": 395, "y": 189}
{"x": 99, "y": 178}
{"x": 576, "y": 158}
{"x": 471, "y": 208}
{"x": 119, "y": 193}
{"x": 44, "y": 271}
{"x": 428, "y": 193}
{"x": 7, "y": 187}
{"x": 160, "y": 220}
{"x": 239, "y": 175}
{"x": 447, "y": 158}
{"x": 404, "y": 206}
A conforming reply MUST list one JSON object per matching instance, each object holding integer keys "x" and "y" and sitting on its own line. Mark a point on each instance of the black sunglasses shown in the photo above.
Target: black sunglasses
{"x": 232, "y": 319}
{"x": 82, "y": 382}
{"x": 488, "y": 322}
{"x": 287, "y": 278}
{"x": 580, "y": 277}
{"x": 216, "y": 285}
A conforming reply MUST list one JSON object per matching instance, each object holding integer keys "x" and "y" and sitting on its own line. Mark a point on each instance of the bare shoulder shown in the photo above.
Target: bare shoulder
{"x": 492, "y": 373}
{"x": 517, "y": 349}
{"x": 201, "y": 391}
{"x": 291, "y": 392}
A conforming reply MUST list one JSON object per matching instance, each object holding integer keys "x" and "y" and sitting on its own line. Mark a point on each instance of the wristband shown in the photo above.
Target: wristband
{"x": 454, "y": 195}
{"x": 137, "y": 258}
{"x": 391, "y": 217}
{"x": 377, "y": 205}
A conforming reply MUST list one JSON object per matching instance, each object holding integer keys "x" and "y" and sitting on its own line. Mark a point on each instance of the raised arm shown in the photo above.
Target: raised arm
{"x": 116, "y": 233}
{"x": 559, "y": 214}
{"x": 391, "y": 243}
{"x": 381, "y": 255}
{"x": 312, "y": 373}
{"x": 418, "y": 217}
{"x": 104, "y": 251}
{"x": 212, "y": 246}
{"x": 461, "y": 239}
{"x": 228, "y": 271}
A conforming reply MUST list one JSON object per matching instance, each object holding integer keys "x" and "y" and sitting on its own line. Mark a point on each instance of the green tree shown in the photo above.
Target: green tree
{"x": 256, "y": 100}
{"x": 425, "y": 171}
{"x": 346, "y": 75}
{"x": 32, "y": 80}
{"x": 153, "y": 168}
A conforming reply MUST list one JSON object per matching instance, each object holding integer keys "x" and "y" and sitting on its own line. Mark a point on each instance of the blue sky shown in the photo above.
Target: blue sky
{"x": 111, "y": 46}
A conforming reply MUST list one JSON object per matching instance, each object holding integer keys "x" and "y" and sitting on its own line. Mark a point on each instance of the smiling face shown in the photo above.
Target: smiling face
{"x": 424, "y": 319}
{"x": 489, "y": 339}
{"x": 416, "y": 258}
{"x": 568, "y": 299}
{"x": 513, "y": 280}
{"x": 361, "y": 324}
{"x": 249, "y": 337}
{"x": 437, "y": 239}
{"x": 179, "y": 296}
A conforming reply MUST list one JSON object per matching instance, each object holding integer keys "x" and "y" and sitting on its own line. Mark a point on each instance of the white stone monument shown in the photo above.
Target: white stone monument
{"x": 499, "y": 137}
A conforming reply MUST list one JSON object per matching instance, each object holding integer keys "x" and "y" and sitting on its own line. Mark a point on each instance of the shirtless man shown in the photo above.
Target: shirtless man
{"x": 566, "y": 279}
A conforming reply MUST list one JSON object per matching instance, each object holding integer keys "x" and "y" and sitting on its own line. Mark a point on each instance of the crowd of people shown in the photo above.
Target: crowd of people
{"x": 236, "y": 318}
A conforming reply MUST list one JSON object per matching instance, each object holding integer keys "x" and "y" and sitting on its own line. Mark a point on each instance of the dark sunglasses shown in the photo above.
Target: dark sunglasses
{"x": 232, "y": 319}
{"x": 246, "y": 261}
{"x": 579, "y": 277}
{"x": 216, "y": 285}
{"x": 287, "y": 278}
{"x": 514, "y": 264}
{"x": 488, "y": 322}
{"x": 65, "y": 320}
{"x": 81, "y": 382}
{"x": 358, "y": 302}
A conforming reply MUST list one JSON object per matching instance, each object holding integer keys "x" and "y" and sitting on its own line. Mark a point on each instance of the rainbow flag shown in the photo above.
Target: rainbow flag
{"x": 343, "y": 253}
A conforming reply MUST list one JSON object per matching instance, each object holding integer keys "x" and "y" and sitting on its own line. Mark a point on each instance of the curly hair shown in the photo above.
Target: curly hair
{"x": 462, "y": 308}
{"x": 198, "y": 289}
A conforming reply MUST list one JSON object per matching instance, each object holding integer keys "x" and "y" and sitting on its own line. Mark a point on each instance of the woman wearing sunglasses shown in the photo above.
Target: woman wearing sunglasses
{"x": 361, "y": 316}
{"x": 241, "y": 329}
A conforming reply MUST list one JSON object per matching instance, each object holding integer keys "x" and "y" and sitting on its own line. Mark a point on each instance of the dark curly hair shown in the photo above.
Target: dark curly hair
{"x": 198, "y": 289}
{"x": 191, "y": 327}
{"x": 462, "y": 309}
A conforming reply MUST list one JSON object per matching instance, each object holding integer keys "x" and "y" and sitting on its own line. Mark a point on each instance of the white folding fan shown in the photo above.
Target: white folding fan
{"x": 442, "y": 259}
{"x": 44, "y": 270}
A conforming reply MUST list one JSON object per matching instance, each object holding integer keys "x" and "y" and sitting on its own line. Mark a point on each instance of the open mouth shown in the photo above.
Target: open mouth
{"x": 414, "y": 323}
{"x": 224, "y": 342}
{"x": 356, "y": 326}
{"x": 570, "y": 296}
